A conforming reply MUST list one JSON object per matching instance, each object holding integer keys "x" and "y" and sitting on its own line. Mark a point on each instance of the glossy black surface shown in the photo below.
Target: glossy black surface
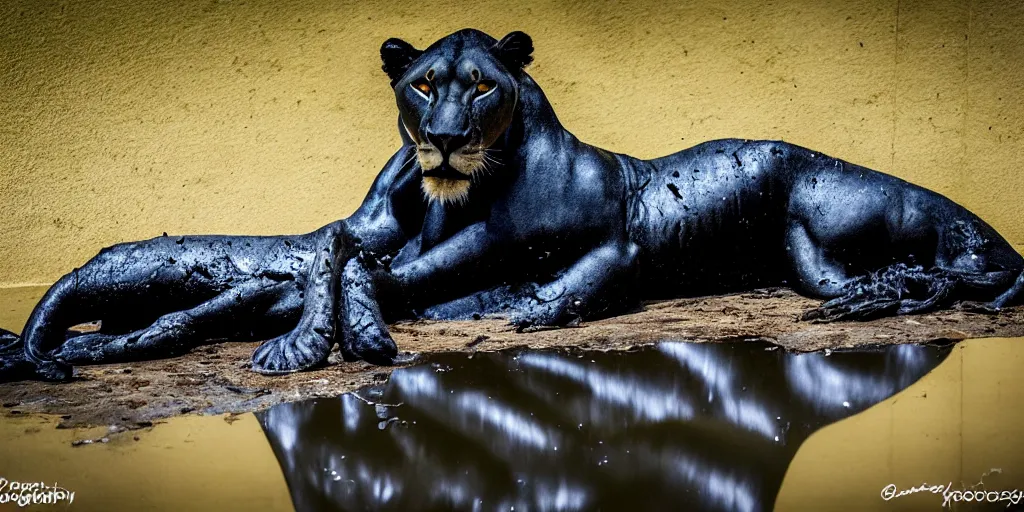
{"x": 679, "y": 426}
{"x": 492, "y": 206}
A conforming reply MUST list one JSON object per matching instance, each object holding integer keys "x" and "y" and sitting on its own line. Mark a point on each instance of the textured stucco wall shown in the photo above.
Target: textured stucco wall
{"x": 120, "y": 120}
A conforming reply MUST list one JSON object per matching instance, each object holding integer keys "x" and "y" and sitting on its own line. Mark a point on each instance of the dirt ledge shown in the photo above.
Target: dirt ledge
{"x": 216, "y": 379}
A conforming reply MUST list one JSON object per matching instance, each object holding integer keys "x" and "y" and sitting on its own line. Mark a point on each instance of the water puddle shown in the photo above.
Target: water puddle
{"x": 676, "y": 426}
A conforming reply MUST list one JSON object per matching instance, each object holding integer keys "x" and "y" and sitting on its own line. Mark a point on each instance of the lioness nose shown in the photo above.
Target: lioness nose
{"x": 447, "y": 142}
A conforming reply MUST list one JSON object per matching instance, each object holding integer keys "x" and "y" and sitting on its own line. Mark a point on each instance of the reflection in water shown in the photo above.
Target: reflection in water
{"x": 681, "y": 426}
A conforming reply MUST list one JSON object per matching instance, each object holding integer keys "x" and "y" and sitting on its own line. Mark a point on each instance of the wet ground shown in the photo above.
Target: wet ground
{"x": 753, "y": 414}
{"x": 216, "y": 379}
{"x": 673, "y": 426}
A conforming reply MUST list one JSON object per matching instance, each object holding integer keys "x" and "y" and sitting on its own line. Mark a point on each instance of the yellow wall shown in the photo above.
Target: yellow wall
{"x": 123, "y": 119}
{"x": 950, "y": 427}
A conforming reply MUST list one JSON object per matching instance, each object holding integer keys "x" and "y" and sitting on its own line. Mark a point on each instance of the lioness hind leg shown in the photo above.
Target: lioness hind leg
{"x": 896, "y": 289}
{"x": 1009, "y": 296}
{"x": 175, "y": 333}
{"x": 814, "y": 273}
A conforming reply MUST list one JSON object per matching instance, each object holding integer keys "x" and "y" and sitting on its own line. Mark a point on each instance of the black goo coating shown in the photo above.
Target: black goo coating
{"x": 552, "y": 231}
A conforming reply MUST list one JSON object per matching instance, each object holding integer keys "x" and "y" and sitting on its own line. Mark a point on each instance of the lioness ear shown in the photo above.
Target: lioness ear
{"x": 514, "y": 50}
{"x": 397, "y": 55}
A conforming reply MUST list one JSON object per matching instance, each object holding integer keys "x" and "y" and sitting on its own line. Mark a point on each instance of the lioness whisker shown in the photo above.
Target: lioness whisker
{"x": 409, "y": 160}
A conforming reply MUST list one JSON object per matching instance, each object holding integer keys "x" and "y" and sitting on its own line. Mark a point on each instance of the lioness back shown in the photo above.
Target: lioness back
{"x": 711, "y": 215}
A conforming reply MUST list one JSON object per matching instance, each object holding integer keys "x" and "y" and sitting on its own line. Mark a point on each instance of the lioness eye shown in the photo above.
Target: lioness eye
{"x": 422, "y": 87}
{"x": 484, "y": 87}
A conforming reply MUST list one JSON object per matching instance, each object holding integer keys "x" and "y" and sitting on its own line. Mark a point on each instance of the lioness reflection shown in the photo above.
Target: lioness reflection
{"x": 686, "y": 426}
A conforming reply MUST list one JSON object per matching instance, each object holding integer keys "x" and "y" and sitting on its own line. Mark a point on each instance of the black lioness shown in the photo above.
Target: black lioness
{"x": 492, "y": 206}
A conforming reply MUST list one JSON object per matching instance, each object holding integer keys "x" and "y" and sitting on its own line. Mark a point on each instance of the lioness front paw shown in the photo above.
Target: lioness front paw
{"x": 369, "y": 340}
{"x": 297, "y": 350}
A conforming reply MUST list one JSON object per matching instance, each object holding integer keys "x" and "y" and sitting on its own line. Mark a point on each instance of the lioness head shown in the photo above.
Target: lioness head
{"x": 456, "y": 99}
